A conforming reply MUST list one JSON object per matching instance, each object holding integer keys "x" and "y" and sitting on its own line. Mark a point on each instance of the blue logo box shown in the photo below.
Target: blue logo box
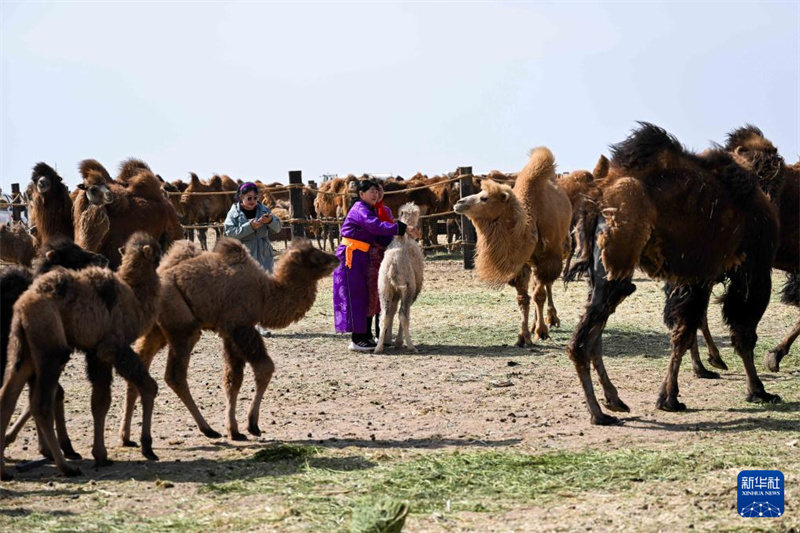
{"x": 760, "y": 493}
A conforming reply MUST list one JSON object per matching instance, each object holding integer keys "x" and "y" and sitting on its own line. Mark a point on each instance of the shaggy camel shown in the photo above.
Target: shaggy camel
{"x": 400, "y": 281}
{"x": 197, "y": 286}
{"x": 120, "y": 211}
{"x": 656, "y": 196}
{"x": 16, "y": 244}
{"x": 13, "y": 282}
{"x": 50, "y": 205}
{"x": 208, "y": 208}
{"x": 50, "y": 321}
{"x": 522, "y": 231}
{"x": 332, "y": 202}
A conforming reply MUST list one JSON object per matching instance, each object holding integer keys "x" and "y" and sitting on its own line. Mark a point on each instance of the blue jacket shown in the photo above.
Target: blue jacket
{"x": 237, "y": 226}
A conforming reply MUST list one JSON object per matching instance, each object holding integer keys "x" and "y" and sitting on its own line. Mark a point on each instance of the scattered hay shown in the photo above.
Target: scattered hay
{"x": 284, "y": 452}
{"x": 386, "y": 515}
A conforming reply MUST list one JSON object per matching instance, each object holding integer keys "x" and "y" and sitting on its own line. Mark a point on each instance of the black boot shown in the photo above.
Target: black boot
{"x": 377, "y": 326}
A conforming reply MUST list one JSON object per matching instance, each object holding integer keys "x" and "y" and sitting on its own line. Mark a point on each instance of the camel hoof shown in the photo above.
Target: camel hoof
{"x": 71, "y": 471}
{"x": 100, "y": 463}
{"x": 604, "y": 420}
{"x": 706, "y": 374}
{"x": 670, "y": 404}
{"x": 378, "y": 349}
{"x": 149, "y": 454}
{"x": 210, "y": 433}
{"x": 128, "y": 443}
{"x": 717, "y": 363}
{"x": 764, "y": 397}
{"x": 553, "y": 322}
{"x": 542, "y": 335}
{"x": 238, "y": 436}
{"x": 773, "y": 360}
{"x": 523, "y": 341}
{"x": 254, "y": 430}
{"x": 617, "y": 406}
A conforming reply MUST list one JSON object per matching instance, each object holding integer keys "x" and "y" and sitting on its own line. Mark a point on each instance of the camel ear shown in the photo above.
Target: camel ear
{"x": 147, "y": 250}
{"x": 81, "y": 186}
{"x": 51, "y": 255}
{"x": 121, "y": 250}
{"x": 506, "y": 196}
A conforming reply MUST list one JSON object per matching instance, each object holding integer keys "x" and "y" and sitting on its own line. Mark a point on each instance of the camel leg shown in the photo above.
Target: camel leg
{"x": 405, "y": 320}
{"x": 388, "y": 310}
{"x": 612, "y": 400}
{"x": 9, "y": 394}
{"x": 552, "y": 315}
{"x": 263, "y": 370}
{"x": 44, "y": 390}
{"x": 699, "y": 370}
{"x": 744, "y": 303}
{"x": 147, "y": 347}
{"x": 13, "y": 433}
{"x": 686, "y": 305}
{"x": 232, "y": 375}
{"x": 202, "y": 236}
{"x": 714, "y": 358}
{"x": 539, "y": 297}
{"x": 524, "y": 302}
{"x": 772, "y": 360}
{"x": 100, "y": 376}
{"x": 180, "y": 351}
{"x": 133, "y": 370}
{"x": 61, "y": 427}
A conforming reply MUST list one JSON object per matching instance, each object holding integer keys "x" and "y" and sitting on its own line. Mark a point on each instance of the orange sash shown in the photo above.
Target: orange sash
{"x": 352, "y": 244}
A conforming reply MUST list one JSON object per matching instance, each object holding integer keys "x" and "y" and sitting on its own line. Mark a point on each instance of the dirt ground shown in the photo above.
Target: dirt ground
{"x": 445, "y": 397}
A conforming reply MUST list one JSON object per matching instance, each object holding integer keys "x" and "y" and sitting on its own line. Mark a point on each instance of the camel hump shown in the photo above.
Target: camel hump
{"x": 541, "y": 166}
{"x": 90, "y": 166}
{"x": 643, "y": 147}
{"x": 740, "y": 136}
{"x": 215, "y": 182}
{"x": 232, "y": 251}
{"x": 146, "y": 185}
{"x": 194, "y": 181}
{"x": 131, "y": 167}
{"x": 179, "y": 251}
{"x": 601, "y": 168}
{"x": 45, "y": 171}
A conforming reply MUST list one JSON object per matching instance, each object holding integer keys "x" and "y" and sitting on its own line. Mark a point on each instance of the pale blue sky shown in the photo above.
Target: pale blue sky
{"x": 256, "y": 89}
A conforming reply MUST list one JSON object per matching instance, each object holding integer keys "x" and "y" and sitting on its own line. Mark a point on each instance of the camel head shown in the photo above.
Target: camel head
{"x": 44, "y": 177}
{"x": 409, "y": 214}
{"x": 140, "y": 250}
{"x": 96, "y": 189}
{"x": 64, "y": 252}
{"x": 305, "y": 263}
{"x": 490, "y": 203}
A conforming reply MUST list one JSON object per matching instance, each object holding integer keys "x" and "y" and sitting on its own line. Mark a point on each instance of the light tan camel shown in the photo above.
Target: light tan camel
{"x": 522, "y": 231}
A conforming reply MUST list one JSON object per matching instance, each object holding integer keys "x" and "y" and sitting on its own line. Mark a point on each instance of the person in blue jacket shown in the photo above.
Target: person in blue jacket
{"x": 251, "y": 222}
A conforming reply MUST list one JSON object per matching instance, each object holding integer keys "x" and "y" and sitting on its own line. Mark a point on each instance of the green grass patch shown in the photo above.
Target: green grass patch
{"x": 285, "y": 452}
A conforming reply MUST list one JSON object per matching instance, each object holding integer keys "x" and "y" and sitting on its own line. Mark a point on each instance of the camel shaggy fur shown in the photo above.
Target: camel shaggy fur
{"x": 98, "y": 312}
{"x": 400, "y": 281}
{"x": 522, "y": 232}
{"x": 14, "y": 282}
{"x": 197, "y": 296}
{"x": 50, "y": 205}
{"x": 16, "y": 244}
{"x": 656, "y": 197}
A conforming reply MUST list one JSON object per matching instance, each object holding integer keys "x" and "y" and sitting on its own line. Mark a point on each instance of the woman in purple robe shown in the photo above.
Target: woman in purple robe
{"x": 360, "y": 230}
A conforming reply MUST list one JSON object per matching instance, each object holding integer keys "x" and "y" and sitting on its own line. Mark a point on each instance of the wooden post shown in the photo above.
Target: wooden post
{"x": 467, "y": 229}
{"x": 296, "y": 198}
{"x": 312, "y": 184}
{"x": 16, "y": 210}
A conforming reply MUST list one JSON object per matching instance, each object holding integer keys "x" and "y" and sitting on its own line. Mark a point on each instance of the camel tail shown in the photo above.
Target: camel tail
{"x": 541, "y": 166}
{"x": 790, "y": 294}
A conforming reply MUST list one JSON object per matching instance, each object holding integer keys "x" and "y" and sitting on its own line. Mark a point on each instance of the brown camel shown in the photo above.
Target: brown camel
{"x": 50, "y": 205}
{"x": 208, "y": 208}
{"x": 197, "y": 296}
{"x": 656, "y": 198}
{"x": 522, "y": 231}
{"x": 16, "y": 244}
{"x": 98, "y": 312}
{"x": 120, "y": 211}
{"x": 332, "y": 203}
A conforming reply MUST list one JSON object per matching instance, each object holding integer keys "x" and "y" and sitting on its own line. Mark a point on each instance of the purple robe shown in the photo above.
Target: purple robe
{"x": 350, "y": 287}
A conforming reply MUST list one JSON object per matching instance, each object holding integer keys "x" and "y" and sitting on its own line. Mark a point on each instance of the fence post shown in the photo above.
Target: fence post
{"x": 16, "y": 210}
{"x": 296, "y": 198}
{"x": 467, "y": 229}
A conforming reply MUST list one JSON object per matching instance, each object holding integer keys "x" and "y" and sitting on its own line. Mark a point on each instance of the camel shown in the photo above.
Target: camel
{"x": 208, "y": 208}
{"x": 50, "y": 205}
{"x": 332, "y": 202}
{"x": 197, "y": 296}
{"x": 522, "y": 232}
{"x": 14, "y": 282}
{"x": 16, "y": 244}
{"x": 656, "y": 196}
{"x": 50, "y": 321}
{"x": 400, "y": 281}
{"x": 120, "y": 211}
